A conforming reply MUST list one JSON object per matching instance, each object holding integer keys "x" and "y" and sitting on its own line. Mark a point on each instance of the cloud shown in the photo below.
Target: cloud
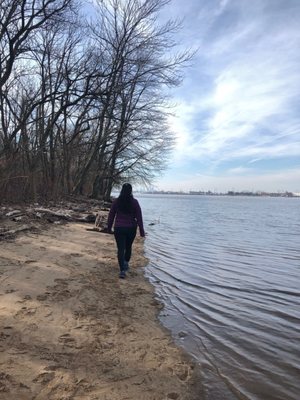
{"x": 249, "y": 65}
{"x": 239, "y": 171}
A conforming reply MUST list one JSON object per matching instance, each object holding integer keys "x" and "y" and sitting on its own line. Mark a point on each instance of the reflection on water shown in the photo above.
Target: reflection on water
{"x": 228, "y": 271}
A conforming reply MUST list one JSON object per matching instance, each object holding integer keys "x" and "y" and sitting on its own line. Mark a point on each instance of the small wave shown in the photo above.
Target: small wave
{"x": 232, "y": 280}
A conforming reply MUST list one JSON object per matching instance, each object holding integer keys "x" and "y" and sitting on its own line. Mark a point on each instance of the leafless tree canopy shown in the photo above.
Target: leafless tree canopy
{"x": 82, "y": 101}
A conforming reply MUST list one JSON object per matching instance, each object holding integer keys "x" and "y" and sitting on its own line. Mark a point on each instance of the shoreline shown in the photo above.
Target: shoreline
{"x": 70, "y": 329}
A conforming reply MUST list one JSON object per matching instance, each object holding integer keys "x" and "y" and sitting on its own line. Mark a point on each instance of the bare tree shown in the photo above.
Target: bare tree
{"x": 84, "y": 106}
{"x": 19, "y": 20}
{"x": 143, "y": 64}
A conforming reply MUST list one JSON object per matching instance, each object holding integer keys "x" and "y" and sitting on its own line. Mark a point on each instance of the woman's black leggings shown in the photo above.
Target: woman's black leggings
{"x": 124, "y": 239}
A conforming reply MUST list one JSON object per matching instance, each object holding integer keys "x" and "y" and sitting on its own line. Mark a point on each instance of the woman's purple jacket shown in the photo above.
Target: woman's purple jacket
{"x": 126, "y": 220}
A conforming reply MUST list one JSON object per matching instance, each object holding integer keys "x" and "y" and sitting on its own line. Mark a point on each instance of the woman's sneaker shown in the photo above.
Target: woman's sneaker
{"x": 122, "y": 275}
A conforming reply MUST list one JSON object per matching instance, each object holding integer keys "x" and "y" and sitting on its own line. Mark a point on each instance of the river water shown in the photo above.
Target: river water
{"x": 228, "y": 271}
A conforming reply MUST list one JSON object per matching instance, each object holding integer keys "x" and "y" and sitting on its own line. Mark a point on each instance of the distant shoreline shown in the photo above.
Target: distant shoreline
{"x": 228, "y": 194}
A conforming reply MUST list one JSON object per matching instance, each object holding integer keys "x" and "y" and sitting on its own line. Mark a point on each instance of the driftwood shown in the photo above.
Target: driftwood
{"x": 40, "y": 212}
{"x": 11, "y": 232}
{"x": 36, "y": 216}
{"x": 65, "y": 215}
{"x": 14, "y": 213}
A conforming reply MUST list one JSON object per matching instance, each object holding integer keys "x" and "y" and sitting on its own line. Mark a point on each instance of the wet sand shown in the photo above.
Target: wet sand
{"x": 71, "y": 329}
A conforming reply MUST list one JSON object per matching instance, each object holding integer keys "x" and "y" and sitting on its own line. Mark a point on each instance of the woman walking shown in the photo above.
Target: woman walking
{"x": 125, "y": 214}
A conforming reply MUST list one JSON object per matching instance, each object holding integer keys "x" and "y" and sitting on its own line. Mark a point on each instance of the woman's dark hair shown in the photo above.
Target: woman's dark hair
{"x": 125, "y": 199}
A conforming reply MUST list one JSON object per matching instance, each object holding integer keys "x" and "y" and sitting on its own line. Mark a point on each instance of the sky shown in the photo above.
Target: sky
{"x": 237, "y": 111}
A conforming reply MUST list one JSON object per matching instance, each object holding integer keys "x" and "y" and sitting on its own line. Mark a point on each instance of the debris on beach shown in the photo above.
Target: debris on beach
{"x": 33, "y": 217}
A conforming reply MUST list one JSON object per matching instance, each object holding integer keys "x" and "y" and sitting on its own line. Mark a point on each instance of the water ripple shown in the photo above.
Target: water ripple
{"x": 231, "y": 281}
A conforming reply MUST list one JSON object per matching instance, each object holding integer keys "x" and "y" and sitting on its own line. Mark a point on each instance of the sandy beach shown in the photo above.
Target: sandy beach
{"x": 71, "y": 329}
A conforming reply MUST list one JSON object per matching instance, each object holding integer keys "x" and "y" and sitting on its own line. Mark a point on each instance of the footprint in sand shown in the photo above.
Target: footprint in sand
{"x": 10, "y": 291}
{"x": 76, "y": 255}
{"x": 67, "y": 340}
{"x": 7, "y": 333}
{"x": 52, "y": 367}
{"x": 76, "y": 264}
{"x": 27, "y": 297}
{"x": 62, "y": 295}
{"x": 6, "y": 382}
{"x": 173, "y": 396}
{"x": 140, "y": 291}
{"x": 24, "y": 312}
{"x": 91, "y": 308}
{"x": 32, "y": 327}
{"x": 182, "y": 371}
{"x": 48, "y": 314}
{"x": 43, "y": 297}
{"x": 92, "y": 252}
{"x": 60, "y": 291}
{"x": 4, "y": 336}
{"x": 63, "y": 282}
{"x": 69, "y": 256}
{"x": 44, "y": 377}
{"x": 107, "y": 258}
{"x": 30, "y": 261}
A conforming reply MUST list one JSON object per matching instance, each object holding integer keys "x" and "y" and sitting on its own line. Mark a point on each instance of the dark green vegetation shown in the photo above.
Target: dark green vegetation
{"x": 83, "y": 103}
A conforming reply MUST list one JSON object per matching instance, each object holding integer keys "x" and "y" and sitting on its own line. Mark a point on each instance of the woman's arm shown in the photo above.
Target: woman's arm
{"x": 139, "y": 218}
{"x": 111, "y": 216}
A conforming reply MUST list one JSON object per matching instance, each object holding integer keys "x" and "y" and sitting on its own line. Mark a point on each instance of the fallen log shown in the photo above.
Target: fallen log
{"x": 12, "y": 232}
{"x": 52, "y": 213}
